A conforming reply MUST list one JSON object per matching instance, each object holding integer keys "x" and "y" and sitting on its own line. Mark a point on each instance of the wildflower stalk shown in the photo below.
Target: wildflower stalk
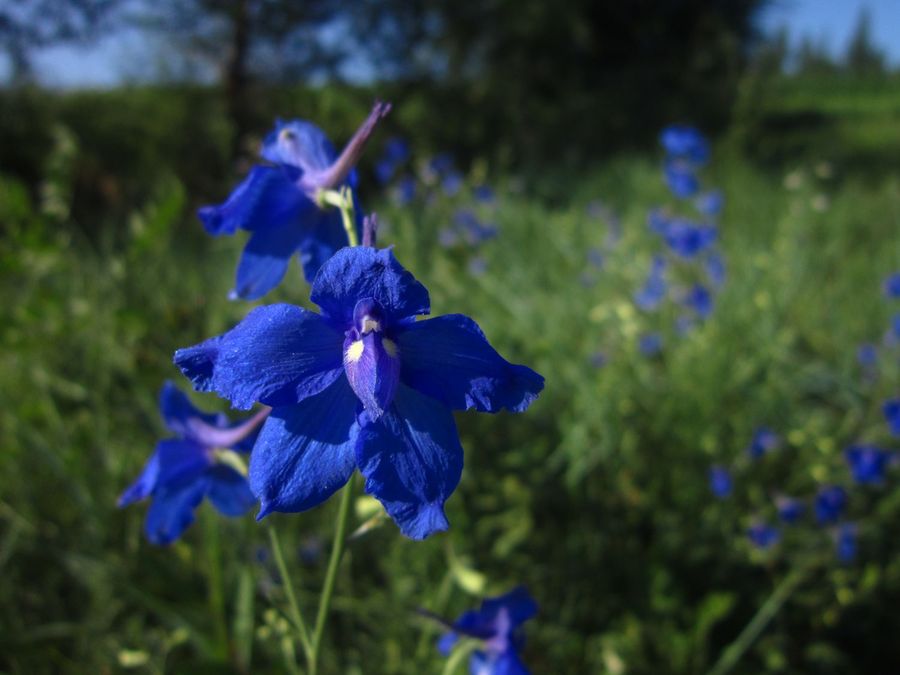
{"x": 296, "y": 615}
{"x": 215, "y": 591}
{"x": 337, "y": 552}
{"x": 463, "y": 650}
{"x": 733, "y": 653}
{"x": 343, "y": 201}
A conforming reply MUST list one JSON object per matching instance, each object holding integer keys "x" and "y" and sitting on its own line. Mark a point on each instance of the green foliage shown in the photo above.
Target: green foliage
{"x": 596, "y": 498}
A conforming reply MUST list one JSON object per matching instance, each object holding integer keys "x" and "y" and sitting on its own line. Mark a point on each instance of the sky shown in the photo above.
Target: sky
{"x": 128, "y": 56}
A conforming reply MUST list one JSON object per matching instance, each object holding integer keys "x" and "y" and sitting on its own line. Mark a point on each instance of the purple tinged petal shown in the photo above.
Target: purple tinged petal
{"x": 373, "y": 369}
{"x": 229, "y": 491}
{"x": 305, "y": 452}
{"x": 412, "y": 461}
{"x": 265, "y": 258}
{"x": 300, "y": 144}
{"x": 891, "y": 411}
{"x": 278, "y": 355}
{"x": 267, "y": 197}
{"x": 174, "y": 462}
{"x": 449, "y": 359}
{"x": 180, "y": 416}
{"x": 172, "y": 511}
{"x": 360, "y": 272}
{"x": 892, "y": 286}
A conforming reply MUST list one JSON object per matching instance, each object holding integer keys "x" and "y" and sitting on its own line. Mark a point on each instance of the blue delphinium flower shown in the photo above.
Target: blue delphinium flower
{"x": 720, "y": 481}
{"x": 599, "y": 359}
{"x": 497, "y": 625}
{"x": 650, "y": 344}
{"x": 868, "y": 464}
{"x": 653, "y": 292}
{"x": 764, "y": 440}
{"x": 892, "y": 286}
{"x": 471, "y": 229}
{"x": 396, "y": 152}
{"x": 681, "y": 179}
{"x": 845, "y": 542}
{"x": 895, "y": 327}
{"x": 596, "y": 258}
{"x": 685, "y": 142}
{"x": 276, "y": 203}
{"x": 360, "y": 385}
{"x": 710, "y": 203}
{"x": 830, "y": 504}
{"x": 688, "y": 239}
{"x": 790, "y": 509}
{"x": 658, "y": 221}
{"x": 700, "y": 300}
{"x": 715, "y": 269}
{"x": 452, "y": 183}
{"x": 867, "y": 355}
{"x": 199, "y": 462}
{"x": 891, "y": 411}
{"x": 484, "y": 194}
{"x": 404, "y": 191}
{"x": 763, "y": 536}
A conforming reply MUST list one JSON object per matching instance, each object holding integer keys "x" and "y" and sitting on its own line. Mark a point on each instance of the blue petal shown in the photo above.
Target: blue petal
{"x": 518, "y": 602}
{"x": 178, "y": 412}
{"x": 446, "y": 643}
{"x": 266, "y": 256}
{"x": 174, "y": 462}
{"x": 361, "y": 272}
{"x": 268, "y": 196}
{"x": 300, "y": 144}
{"x": 448, "y": 358}
{"x": 326, "y": 237}
{"x": 373, "y": 371}
{"x": 229, "y": 491}
{"x": 304, "y": 452}
{"x": 278, "y": 355}
{"x": 412, "y": 461}
{"x": 172, "y": 511}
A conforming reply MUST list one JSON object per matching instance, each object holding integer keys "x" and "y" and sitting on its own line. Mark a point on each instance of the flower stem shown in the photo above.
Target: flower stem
{"x": 337, "y": 552}
{"x": 215, "y": 591}
{"x": 343, "y": 201}
{"x": 733, "y": 653}
{"x": 296, "y": 615}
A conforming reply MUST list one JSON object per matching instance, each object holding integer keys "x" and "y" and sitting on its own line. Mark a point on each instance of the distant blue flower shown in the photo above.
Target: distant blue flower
{"x": 496, "y": 624}
{"x": 396, "y": 152}
{"x": 892, "y": 285}
{"x": 867, "y": 463}
{"x": 867, "y": 355}
{"x": 404, "y": 191}
{"x": 441, "y": 164}
{"x": 715, "y": 269}
{"x": 471, "y": 228}
{"x": 846, "y": 542}
{"x": 681, "y": 179}
{"x": 790, "y": 509}
{"x": 484, "y": 194}
{"x": 700, "y": 300}
{"x": 830, "y": 504}
{"x": 684, "y": 324}
{"x": 763, "y": 536}
{"x": 688, "y": 239}
{"x": 895, "y": 327}
{"x": 686, "y": 142}
{"x": 653, "y": 292}
{"x": 452, "y": 183}
{"x": 196, "y": 463}
{"x": 596, "y": 258}
{"x": 658, "y": 221}
{"x": 650, "y": 344}
{"x": 477, "y": 266}
{"x": 360, "y": 385}
{"x": 710, "y": 203}
{"x": 720, "y": 481}
{"x": 276, "y": 203}
{"x": 891, "y": 411}
{"x": 764, "y": 440}
{"x": 599, "y": 359}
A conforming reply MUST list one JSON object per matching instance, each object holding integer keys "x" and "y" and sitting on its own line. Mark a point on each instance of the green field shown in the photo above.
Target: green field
{"x": 596, "y": 498}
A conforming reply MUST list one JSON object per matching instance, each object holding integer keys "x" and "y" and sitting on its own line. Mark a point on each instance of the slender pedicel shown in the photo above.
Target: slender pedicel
{"x": 215, "y": 437}
{"x": 370, "y": 230}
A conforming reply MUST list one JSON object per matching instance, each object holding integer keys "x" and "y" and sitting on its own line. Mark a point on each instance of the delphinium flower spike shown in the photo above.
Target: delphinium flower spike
{"x": 203, "y": 460}
{"x": 496, "y": 624}
{"x": 277, "y": 203}
{"x": 363, "y": 384}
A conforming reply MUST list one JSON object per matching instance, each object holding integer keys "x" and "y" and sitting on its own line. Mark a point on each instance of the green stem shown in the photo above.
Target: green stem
{"x": 733, "y": 653}
{"x": 216, "y": 587}
{"x": 463, "y": 650}
{"x": 296, "y": 615}
{"x": 337, "y": 552}
{"x": 343, "y": 201}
